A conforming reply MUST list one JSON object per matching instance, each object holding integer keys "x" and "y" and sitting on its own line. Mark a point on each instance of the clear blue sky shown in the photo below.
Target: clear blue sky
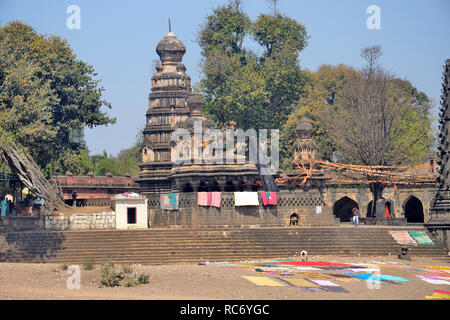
{"x": 119, "y": 39}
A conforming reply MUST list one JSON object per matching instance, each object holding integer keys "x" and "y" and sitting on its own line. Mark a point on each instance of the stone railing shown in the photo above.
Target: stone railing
{"x": 192, "y": 215}
{"x": 81, "y": 221}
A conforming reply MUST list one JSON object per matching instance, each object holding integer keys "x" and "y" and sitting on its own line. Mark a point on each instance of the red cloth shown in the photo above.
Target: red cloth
{"x": 386, "y": 211}
{"x": 269, "y": 198}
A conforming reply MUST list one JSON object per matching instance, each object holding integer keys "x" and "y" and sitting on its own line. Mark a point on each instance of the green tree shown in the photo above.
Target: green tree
{"x": 323, "y": 87}
{"x": 47, "y": 95}
{"x": 378, "y": 120}
{"x": 250, "y": 89}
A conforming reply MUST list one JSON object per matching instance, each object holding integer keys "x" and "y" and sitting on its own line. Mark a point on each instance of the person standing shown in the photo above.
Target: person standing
{"x": 74, "y": 198}
{"x": 356, "y": 216}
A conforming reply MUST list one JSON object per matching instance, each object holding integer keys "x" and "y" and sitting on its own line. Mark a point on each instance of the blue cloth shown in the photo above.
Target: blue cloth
{"x": 4, "y": 206}
{"x": 381, "y": 277}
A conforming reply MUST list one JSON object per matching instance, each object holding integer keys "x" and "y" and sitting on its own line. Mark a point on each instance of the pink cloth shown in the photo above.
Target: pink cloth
{"x": 216, "y": 199}
{"x": 269, "y": 198}
{"x": 203, "y": 199}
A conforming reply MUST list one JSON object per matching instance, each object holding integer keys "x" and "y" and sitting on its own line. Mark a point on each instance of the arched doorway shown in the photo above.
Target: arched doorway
{"x": 413, "y": 210}
{"x": 293, "y": 220}
{"x": 342, "y": 209}
{"x": 369, "y": 210}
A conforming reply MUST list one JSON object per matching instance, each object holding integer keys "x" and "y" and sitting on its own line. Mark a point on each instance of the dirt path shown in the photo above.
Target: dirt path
{"x": 203, "y": 282}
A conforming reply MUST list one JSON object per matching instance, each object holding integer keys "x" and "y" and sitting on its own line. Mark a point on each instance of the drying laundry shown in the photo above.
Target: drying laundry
{"x": 246, "y": 199}
{"x": 209, "y": 199}
{"x": 403, "y": 238}
{"x": 421, "y": 237}
{"x": 269, "y": 198}
{"x": 169, "y": 201}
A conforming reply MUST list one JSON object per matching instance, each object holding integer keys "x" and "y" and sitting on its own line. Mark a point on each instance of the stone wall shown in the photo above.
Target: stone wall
{"x": 191, "y": 215}
{"x": 81, "y": 221}
{"x": 399, "y": 195}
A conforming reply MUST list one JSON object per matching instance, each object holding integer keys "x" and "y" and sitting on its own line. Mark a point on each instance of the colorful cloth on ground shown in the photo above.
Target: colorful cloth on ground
{"x": 269, "y": 198}
{"x": 434, "y": 281}
{"x": 300, "y": 283}
{"x": 246, "y": 199}
{"x": 403, "y": 238}
{"x": 263, "y": 281}
{"x": 169, "y": 201}
{"x": 381, "y": 277}
{"x": 313, "y": 264}
{"x": 421, "y": 237}
{"x": 439, "y": 294}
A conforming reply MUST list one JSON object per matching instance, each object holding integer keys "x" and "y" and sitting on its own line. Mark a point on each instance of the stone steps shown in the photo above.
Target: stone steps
{"x": 193, "y": 245}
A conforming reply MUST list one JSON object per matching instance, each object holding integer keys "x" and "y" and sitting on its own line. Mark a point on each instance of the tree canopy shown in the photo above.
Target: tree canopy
{"x": 47, "y": 95}
{"x": 251, "y": 88}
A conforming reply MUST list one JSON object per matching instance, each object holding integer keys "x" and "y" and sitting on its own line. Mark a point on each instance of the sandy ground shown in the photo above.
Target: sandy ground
{"x": 203, "y": 282}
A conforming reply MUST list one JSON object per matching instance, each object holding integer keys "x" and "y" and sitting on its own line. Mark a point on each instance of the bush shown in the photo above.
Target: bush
{"x": 127, "y": 269}
{"x": 143, "y": 278}
{"x": 110, "y": 277}
{"x": 131, "y": 281}
{"x": 88, "y": 264}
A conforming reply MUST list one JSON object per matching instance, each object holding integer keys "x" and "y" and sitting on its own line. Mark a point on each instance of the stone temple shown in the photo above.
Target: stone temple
{"x": 306, "y": 197}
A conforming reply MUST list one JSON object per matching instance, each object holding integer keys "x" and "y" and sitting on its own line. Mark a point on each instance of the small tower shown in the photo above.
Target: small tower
{"x": 304, "y": 148}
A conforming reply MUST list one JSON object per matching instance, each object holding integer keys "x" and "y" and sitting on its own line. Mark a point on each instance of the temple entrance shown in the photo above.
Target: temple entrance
{"x": 413, "y": 210}
{"x": 293, "y": 220}
{"x": 342, "y": 209}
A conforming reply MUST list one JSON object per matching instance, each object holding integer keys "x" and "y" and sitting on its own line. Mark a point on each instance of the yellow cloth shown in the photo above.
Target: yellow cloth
{"x": 264, "y": 281}
{"x": 301, "y": 283}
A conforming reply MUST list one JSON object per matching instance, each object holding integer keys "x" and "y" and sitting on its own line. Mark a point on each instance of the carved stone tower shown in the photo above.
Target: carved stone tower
{"x": 440, "y": 211}
{"x": 304, "y": 147}
{"x": 167, "y": 105}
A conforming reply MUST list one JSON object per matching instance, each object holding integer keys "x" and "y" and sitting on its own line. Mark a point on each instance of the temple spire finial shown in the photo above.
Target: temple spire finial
{"x": 170, "y": 28}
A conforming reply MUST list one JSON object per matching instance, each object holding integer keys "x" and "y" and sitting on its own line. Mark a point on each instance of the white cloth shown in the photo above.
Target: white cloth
{"x": 246, "y": 199}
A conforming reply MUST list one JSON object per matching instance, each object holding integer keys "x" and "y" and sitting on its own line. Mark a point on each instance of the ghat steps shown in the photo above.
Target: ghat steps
{"x": 160, "y": 246}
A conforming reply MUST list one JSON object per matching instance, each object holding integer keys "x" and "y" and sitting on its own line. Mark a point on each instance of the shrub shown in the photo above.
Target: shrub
{"x": 88, "y": 264}
{"x": 110, "y": 277}
{"x": 127, "y": 269}
{"x": 143, "y": 278}
{"x": 130, "y": 280}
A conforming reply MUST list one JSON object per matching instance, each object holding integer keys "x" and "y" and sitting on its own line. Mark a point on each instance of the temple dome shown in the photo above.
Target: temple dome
{"x": 170, "y": 49}
{"x": 304, "y": 125}
{"x": 195, "y": 99}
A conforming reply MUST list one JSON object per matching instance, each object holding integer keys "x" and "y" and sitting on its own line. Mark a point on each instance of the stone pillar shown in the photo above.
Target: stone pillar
{"x": 439, "y": 222}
